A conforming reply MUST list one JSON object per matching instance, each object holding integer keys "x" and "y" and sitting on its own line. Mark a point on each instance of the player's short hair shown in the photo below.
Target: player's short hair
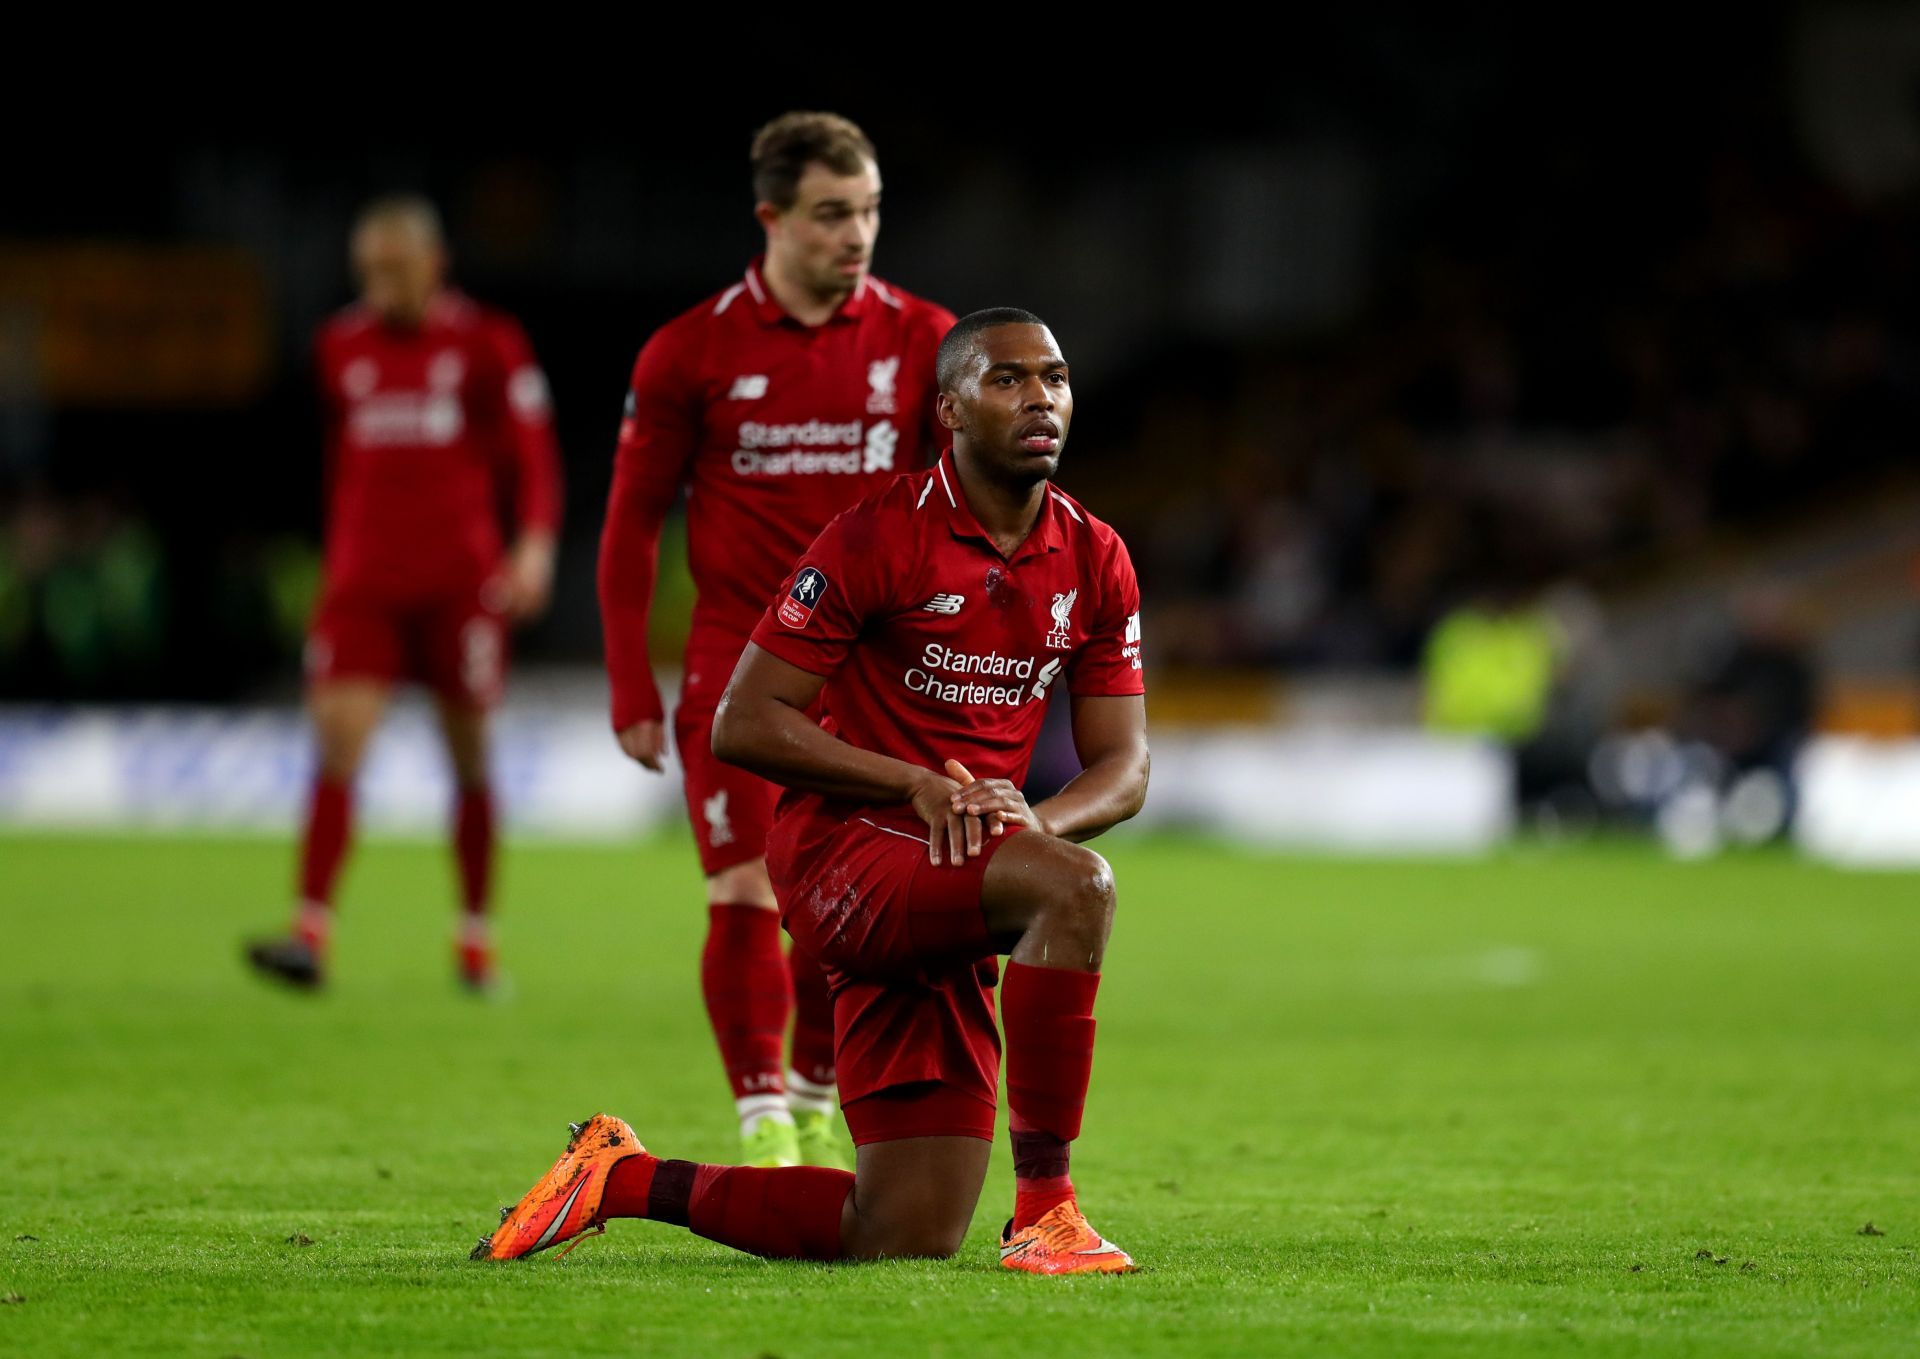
{"x": 415, "y": 209}
{"x": 955, "y": 357}
{"x": 784, "y": 148}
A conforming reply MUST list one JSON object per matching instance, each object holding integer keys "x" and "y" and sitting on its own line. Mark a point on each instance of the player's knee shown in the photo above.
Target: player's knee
{"x": 922, "y": 1234}
{"x": 337, "y": 751}
{"x": 1090, "y": 891}
{"x": 944, "y": 1245}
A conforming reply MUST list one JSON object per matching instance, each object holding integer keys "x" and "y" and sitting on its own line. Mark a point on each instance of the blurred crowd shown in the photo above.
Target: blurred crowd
{"x": 1562, "y": 402}
{"x": 94, "y": 605}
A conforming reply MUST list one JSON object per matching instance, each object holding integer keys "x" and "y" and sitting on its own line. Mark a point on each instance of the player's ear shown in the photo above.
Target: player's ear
{"x": 946, "y": 411}
{"x": 766, "y": 214}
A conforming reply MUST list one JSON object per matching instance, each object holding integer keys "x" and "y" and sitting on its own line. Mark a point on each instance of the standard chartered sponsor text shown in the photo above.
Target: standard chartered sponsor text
{"x": 813, "y": 447}
{"x": 748, "y": 463}
{"x": 991, "y": 663}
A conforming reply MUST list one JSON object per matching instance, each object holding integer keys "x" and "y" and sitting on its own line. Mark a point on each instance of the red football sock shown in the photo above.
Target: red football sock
{"x": 812, "y": 1018}
{"x": 749, "y": 997}
{"x": 473, "y": 846}
{"x": 792, "y": 1213}
{"x": 1048, "y": 1016}
{"x": 1034, "y": 1199}
{"x": 629, "y": 1185}
{"x": 322, "y": 847}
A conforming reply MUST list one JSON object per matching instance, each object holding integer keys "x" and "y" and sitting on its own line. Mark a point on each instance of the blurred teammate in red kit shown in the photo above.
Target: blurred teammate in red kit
{"x": 437, "y": 417}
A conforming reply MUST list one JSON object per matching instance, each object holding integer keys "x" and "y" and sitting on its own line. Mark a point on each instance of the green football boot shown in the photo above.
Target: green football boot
{"x": 771, "y": 1143}
{"x": 820, "y": 1139}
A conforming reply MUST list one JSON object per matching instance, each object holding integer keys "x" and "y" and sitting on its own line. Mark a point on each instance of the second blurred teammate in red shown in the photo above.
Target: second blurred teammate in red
{"x": 800, "y": 388}
{"x": 437, "y": 416}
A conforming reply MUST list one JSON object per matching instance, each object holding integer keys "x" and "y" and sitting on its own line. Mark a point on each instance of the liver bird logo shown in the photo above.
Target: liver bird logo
{"x": 1059, "y": 638}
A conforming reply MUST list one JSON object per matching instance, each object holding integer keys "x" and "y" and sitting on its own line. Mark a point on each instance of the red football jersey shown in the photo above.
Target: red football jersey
{"x": 427, "y": 428}
{"x": 936, "y": 647}
{"x": 775, "y": 427}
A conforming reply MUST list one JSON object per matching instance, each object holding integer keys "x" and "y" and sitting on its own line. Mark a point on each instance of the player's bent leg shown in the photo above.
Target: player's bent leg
{"x": 913, "y": 1197}
{"x": 345, "y": 713}
{"x": 744, "y": 982}
{"x": 465, "y": 727}
{"x": 1052, "y": 905}
{"x": 790, "y": 1212}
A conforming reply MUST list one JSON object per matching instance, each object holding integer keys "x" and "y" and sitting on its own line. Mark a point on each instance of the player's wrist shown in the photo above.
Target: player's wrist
{"x": 626, "y": 719}
{"x": 927, "y": 785}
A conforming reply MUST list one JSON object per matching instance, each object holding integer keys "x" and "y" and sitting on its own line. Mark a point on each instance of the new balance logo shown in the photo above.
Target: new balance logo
{"x": 748, "y": 387}
{"x": 947, "y": 604}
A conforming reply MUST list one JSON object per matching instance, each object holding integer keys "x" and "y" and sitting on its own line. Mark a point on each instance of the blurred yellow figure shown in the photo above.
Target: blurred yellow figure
{"x": 1489, "y": 670}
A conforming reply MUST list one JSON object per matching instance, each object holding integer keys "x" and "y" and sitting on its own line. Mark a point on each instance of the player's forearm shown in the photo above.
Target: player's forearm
{"x": 628, "y": 566}
{"x": 1105, "y": 793}
{"x": 782, "y": 744}
{"x": 538, "y": 496}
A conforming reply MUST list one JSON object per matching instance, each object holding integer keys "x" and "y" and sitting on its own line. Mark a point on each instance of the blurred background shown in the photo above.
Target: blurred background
{"x": 1513, "y": 433}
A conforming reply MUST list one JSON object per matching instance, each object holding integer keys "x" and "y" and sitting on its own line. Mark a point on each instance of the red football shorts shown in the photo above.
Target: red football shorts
{"x": 731, "y": 810}
{"x": 455, "y": 645}
{"x": 907, "y": 955}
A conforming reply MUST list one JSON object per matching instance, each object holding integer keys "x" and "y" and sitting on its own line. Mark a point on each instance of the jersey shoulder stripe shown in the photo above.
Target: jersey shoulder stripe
{"x": 1080, "y": 521}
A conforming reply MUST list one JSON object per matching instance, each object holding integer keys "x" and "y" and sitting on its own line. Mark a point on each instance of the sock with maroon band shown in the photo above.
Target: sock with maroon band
{"x": 1048, "y": 1016}
{"x": 792, "y": 1213}
{"x": 1040, "y": 1179}
{"x": 322, "y": 847}
{"x": 812, "y": 1019}
{"x": 473, "y": 846}
{"x": 744, "y": 980}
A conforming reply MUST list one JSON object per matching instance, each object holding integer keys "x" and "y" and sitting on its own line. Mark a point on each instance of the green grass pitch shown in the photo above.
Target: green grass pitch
{"x": 1570, "y": 1102}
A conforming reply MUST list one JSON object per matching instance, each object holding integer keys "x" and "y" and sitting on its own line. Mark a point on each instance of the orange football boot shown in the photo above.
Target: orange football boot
{"x": 1061, "y": 1242}
{"x": 566, "y": 1202}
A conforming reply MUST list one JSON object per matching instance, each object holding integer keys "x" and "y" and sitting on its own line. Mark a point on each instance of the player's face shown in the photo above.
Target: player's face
{"x": 826, "y": 238}
{"x": 400, "y": 267}
{"x": 1015, "y": 407}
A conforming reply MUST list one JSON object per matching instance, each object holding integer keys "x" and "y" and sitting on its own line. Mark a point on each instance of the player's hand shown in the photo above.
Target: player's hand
{"x": 997, "y": 801}
{"x": 645, "y": 742}
{"x": 529, "y": 577}
{"x": 951, "y": 832}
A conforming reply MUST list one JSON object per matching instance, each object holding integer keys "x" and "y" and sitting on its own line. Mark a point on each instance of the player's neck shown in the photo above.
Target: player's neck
{"x": 1007, "y": 513}
{"x": 408, "y": 319}
{"x": 800, "y": 302}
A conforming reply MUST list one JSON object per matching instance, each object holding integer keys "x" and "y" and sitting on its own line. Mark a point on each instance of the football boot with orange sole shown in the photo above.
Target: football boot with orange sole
{"x": 566, "y": 1202}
